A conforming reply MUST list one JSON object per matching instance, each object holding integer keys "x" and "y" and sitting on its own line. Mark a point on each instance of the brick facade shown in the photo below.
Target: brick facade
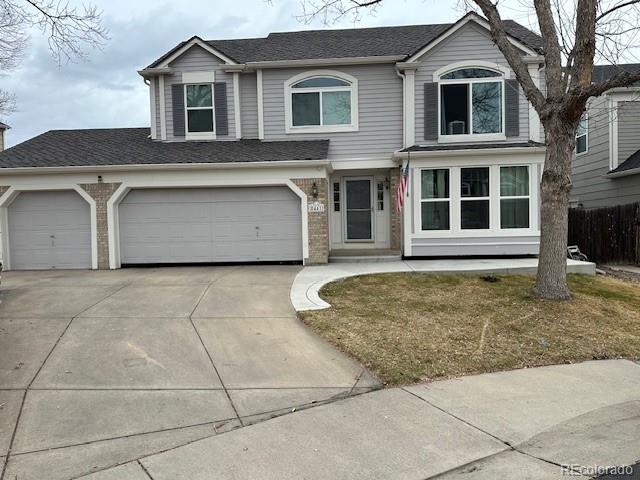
{"x": 318, "y": 221}
{"x": 396, "y": 217}
{"x": 101, "y": 193}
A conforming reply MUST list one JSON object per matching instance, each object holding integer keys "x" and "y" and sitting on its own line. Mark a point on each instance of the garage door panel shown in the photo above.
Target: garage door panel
{"x": 210, "y": 225}
{"x": 49, "y": 229}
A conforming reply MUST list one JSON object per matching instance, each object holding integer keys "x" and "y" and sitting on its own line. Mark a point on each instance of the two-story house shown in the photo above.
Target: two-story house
{"x": 606, "y": 166}
{"x": 291, "y": 148}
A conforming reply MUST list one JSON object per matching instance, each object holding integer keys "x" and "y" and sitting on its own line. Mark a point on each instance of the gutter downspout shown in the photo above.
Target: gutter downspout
{"x": 404, "y": 107}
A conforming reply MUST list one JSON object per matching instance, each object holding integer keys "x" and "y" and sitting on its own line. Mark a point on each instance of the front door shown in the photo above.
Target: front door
{"x": 358, "y": 209}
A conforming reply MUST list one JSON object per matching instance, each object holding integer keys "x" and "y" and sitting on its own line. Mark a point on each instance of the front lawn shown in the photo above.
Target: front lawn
{"x": 412, "y": 327}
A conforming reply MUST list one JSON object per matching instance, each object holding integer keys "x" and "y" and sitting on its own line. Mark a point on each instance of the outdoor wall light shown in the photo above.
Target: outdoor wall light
{"x": 386, "y": 183}
{"x": 99, "y": 178}
{"x": 314, "y": 191}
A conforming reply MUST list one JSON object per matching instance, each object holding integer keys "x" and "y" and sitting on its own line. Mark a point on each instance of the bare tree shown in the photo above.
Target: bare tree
{"x": 68, "y": 29}
{"x": 571, "y": 41}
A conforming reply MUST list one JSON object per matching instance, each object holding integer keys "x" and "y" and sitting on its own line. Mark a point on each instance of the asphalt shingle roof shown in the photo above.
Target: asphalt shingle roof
{"x": 632, "y": 162}
{"x": 345, "y": 43}
{"x": 470, "y": 146}
{"x": 132, "y": 146}
{"x": 605, "y": 72}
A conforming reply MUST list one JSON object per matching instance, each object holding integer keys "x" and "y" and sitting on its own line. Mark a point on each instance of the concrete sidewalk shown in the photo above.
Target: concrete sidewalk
{"x": 307, "y": 284}
{"x": 521, "y": 424}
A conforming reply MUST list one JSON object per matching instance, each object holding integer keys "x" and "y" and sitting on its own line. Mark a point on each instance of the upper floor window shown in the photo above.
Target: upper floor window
{"x": 472, "y": 103}
{"x": 199, "y": 110}
{"x": 582, "y": 135}
{"x": 321, "y": 102}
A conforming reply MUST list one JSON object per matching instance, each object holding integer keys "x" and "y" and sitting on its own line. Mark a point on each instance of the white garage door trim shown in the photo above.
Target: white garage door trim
{"x": 7, "y": 198}
{"x": 122, "y": 191}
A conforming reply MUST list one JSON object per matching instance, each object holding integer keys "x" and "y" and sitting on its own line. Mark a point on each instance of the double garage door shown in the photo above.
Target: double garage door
{"x": 159, "y": 226}
{"x": 210, "y": 225}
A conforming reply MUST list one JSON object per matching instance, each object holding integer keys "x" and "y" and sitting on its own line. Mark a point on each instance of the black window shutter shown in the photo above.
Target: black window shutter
{"x": 512, "y": 108}
{"x": 431, "y": 111}
{"x": 177, "y": 103}
{"x": 220, "y": 95}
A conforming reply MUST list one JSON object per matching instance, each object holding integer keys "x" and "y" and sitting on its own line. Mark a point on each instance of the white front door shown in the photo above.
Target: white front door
{"x": 358, "y": 211}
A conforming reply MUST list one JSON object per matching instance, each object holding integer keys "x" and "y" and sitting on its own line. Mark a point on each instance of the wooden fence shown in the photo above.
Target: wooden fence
{"x": 607, "y": 235}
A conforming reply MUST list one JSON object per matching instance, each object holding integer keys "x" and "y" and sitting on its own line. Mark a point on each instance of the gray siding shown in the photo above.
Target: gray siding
{"x": 628, "y": 129}
{"x": 426, "y": 247}
{"x": 591, "y": 187}
{"x": 156, "y": 87}
{"x": 380, "y": 112}
{"x": 469, "y": 43}
{"x": 249, "y": 105}
{"x": 199, "y": 60}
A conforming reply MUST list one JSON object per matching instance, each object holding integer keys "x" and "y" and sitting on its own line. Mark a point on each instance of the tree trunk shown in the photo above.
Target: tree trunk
{"x": 551, "y": 282}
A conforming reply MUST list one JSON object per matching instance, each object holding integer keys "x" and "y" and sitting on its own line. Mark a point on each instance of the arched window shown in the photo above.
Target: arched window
{"x": 471, "y": 102}
{"x": 321, "y": 101}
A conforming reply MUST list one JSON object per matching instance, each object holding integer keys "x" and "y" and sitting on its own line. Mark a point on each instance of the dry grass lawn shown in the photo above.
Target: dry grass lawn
{"x": 411, "y": 327}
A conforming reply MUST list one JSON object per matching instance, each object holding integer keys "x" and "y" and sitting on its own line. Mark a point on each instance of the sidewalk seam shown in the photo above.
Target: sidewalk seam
{"x": 144, "y": 469}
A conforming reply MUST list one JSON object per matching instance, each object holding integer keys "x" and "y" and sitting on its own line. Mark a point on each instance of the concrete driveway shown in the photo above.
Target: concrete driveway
{"x": 100, "y": 368}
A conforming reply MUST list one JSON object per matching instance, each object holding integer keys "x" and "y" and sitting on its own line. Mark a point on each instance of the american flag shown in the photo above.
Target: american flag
{"x": 403, "y": 185}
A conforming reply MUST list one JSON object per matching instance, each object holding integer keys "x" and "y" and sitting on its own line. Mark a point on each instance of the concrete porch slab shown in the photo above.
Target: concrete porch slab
{"x": 24, "y": 344}
{"x": 307, "y": 284}
{"x": 385, "y": 434}
{"x": 517, "y": 405}
{"x": 62, "y": 418}
{"x": 129, "y": 353}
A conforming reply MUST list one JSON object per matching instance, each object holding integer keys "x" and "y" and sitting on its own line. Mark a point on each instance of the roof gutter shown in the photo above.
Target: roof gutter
{"x": 154, "y": 72}
{"x": 162, "y": 166}
{"x": 399, "y": 155}
{"x": 623, "y": 173}
{"x": 326, "y": 61}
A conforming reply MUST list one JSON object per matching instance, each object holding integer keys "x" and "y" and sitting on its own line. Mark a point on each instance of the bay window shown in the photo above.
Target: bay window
{"x": 471, "y": 102}
{"x": 321, "y": 102}
{"x": 514, "y": 197}
{"x": 474, "y": 200}
{"x": 435, "y": 202}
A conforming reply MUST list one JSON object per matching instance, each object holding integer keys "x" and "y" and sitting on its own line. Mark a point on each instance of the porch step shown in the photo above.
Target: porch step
{"x": 364, "y": 256}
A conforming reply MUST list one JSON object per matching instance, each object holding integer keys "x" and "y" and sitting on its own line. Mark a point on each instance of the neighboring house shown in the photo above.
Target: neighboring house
{"x": 289, "y": 148}
{"x": 606, "y": 167}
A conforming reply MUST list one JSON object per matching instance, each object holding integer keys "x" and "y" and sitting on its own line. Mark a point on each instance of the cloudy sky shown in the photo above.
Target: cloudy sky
{"x": 106, "y": 91}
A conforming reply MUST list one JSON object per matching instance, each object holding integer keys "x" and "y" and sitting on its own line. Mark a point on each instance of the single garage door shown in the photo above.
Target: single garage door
{"x": 210, "y": 225}
{"x": 49, "y": 230}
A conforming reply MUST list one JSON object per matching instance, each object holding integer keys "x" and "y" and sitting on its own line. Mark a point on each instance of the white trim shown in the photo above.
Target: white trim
{"x": 407, "y": 213}
{"x": 195, "y": 41}
{"x": 353, "y": 89}
{"x": 623, "y": 173}
{"x": 152, "y": 109}
{"x": 260, "y": 96}
{"x": 457, "y": 26}
{"x": 615, "y": 96}
{"x": 126, "y": 187}
{"x": 410, "y": 107}
{"x": 161, "y": 166}
{"x": 451, "y": 67}
{"x": 236, "y": 105}
{"x": 199, "y": 77}
{"x": 13, "y": 192}
{"x": 363, "y": 163}
{"x": 343, "y": 209}
{"x": 163, "y": 111}
{"x": 318, "y": 62}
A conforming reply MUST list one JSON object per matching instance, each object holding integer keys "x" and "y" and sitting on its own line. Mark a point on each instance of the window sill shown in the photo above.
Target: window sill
{"x": 472, "y": 138}
{"x": 200, "y": 136}
{"x": 322, "y": 129}
{"x": 498, "y": 233}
